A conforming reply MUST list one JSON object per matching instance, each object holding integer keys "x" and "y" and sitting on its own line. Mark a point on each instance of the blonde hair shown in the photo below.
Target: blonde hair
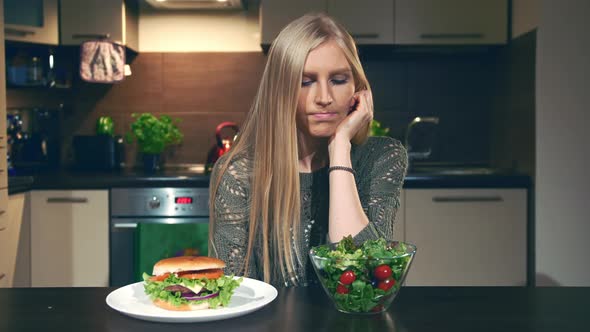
{"x": 269, "y": 137}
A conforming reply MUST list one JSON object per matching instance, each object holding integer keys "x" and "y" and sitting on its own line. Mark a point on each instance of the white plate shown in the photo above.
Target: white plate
{"x": 250, "y": 296}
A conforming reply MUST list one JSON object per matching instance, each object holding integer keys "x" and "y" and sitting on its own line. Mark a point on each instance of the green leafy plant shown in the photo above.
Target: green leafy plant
{"x": 154, "y": 134}
{"x": 377, "y": 130}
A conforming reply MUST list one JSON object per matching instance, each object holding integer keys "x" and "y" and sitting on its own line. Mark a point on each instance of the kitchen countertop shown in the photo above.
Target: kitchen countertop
{"x": 308, "y": 309}
{"x": 72, "y": 180}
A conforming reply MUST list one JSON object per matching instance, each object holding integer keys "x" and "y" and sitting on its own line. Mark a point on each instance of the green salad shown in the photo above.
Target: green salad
{"x": 361, "y": 278}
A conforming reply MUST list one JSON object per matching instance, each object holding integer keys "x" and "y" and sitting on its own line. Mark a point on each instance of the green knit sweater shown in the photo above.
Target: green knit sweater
{"x": 380, "y": 165}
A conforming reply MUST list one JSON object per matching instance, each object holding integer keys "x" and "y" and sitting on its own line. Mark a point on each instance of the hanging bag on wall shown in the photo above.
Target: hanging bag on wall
{"x": 102, "y": 61}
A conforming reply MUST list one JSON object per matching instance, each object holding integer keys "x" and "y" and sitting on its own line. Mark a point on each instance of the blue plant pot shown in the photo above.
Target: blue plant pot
{"x": 151, "y": 162}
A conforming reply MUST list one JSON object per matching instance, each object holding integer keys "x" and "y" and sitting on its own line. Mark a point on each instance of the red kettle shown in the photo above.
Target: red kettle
{"x": 223, "y": 144}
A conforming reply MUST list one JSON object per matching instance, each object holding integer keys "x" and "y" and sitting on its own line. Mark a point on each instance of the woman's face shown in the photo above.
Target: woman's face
{"x": 327, "y": 89}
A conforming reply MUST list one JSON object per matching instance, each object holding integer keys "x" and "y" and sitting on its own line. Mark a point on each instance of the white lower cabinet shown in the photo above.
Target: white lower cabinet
{"x": 467, "y": 237}
{"x": 11, "y": 220}
{"x": 69, "y": 238}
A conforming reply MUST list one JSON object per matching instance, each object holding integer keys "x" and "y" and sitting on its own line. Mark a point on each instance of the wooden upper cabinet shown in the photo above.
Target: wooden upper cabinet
{"x": 368, "y": 21}
{"x": 32, "y": 21}
{"x": 450, "y": 22}
{"x": 275, "y": 14}
{"x": 115, "y": 20}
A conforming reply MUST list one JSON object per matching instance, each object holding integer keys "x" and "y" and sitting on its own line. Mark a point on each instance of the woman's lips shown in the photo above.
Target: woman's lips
{"x": 324, "y": 115}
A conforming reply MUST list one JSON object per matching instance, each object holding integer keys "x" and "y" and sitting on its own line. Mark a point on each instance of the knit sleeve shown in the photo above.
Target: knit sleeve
{"x": 231, "y": 213}
{"x": 381, "y": 170}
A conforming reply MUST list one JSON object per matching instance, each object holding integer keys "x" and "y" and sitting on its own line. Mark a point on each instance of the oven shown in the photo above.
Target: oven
{"x": 147, "y": 223}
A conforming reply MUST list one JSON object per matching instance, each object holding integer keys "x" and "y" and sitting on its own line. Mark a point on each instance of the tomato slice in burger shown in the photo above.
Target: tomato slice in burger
{"x": 161, "y": 277}
{"x": 209, "y": 274}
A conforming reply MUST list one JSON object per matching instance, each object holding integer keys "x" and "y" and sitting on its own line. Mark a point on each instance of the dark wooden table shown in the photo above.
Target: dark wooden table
{"x": 308, "y": 309}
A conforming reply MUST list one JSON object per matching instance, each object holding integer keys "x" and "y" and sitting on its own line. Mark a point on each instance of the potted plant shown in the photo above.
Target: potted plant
{"x": 153, "y": 135}
{"x": 377, "y": 130}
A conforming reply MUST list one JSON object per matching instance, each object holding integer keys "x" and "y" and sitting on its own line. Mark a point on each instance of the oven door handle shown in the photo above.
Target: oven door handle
{"x": 125, "y": 225}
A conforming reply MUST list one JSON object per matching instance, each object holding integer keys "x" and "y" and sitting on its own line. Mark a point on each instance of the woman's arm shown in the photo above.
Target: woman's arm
{"x": 346, "y": 213}
{"x": 368, "y": 212}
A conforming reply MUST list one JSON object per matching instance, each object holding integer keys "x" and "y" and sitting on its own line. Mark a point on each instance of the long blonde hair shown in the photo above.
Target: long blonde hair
{"x": 269, "y": 137}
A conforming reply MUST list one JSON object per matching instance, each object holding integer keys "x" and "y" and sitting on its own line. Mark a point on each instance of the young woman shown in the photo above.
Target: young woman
{"x": 302, "y": 171}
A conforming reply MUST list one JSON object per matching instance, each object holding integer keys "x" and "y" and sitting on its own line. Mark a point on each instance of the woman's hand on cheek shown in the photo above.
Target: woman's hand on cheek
{"x": 359, "y": 117}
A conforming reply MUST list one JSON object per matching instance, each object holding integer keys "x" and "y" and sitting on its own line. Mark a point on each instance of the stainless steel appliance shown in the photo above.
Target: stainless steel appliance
{"x": 33, "y": 139}
{"x": 133, "y": 207}
{"x": 98, "y": 152}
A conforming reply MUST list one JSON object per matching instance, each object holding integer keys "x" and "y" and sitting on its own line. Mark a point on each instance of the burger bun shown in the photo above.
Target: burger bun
{"x": 183, "y": 307}
{"x": 187, "y": 263}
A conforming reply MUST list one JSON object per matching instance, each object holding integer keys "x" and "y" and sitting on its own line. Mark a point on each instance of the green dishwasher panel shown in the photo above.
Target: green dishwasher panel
{"x": 158, "y": 241}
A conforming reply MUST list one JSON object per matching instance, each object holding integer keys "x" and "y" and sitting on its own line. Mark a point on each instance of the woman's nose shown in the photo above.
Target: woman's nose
{"x": 323, "y": 96}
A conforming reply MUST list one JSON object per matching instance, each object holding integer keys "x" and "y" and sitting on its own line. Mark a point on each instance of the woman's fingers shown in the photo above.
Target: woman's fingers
{"x": 361, "y": 114}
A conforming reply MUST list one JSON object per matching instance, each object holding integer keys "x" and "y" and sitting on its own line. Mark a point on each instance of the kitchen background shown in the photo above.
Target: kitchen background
{"x": 484, "y": 97}
{"x": 518, "y": 106}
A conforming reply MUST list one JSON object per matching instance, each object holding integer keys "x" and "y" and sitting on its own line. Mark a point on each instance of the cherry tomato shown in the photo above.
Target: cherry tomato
{"x": 386, "y": 284}
{"x": 382, "y": 272}
{"x": 347, "y": 277}
{"x": 341, "y": 289}
{"x": 160, "y": 277}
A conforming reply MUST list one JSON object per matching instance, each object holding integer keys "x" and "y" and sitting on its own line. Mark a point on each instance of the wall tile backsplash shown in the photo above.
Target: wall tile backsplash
{"x": 204, "y": 89}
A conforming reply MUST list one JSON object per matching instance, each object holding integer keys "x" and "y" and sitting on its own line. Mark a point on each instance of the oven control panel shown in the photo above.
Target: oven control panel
{"x": 168, "y": 202}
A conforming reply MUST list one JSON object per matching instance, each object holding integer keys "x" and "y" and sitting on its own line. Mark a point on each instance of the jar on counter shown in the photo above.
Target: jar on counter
{"x": 35, "y": 71}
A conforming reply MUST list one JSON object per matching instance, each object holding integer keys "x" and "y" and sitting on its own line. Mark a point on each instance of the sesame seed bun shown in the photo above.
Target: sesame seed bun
{"x": 187, "y": 263}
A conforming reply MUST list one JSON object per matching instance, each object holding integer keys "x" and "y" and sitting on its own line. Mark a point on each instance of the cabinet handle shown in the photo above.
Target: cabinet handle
{"x": 451, "y": 35}
{"x": 91, "y": 35}
{"x": 462, "y": 199}
{"x": 18, "y": 32}
{"x": 67, "y": 200}
{"x": 2, "y": 212}
{"x": 2, "y": 228}
{"x": 2, "y": 275}
{"x": 365, "y": 35}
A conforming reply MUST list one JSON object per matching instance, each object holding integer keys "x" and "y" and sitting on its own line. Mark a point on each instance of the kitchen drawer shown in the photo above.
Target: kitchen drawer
{"x": 3, "y": 208}
{"x": 9, "y": 237}
{"x": 3, "y": 166}
{"x": 70, "y": 238}
{"x": 467, "y": 237}
{"x": 5, "y": 253}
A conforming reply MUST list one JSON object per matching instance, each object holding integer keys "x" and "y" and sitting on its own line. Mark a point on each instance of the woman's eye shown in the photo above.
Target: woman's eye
{"x": 339, "y": 81}
{"x": 306, "y": 83}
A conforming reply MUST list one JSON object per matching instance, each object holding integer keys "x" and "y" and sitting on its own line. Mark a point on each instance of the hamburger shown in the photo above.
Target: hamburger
{"x": 188, "y": 283}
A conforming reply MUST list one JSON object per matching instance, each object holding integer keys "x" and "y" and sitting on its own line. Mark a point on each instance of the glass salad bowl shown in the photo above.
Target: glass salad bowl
{"x": 365, "y": 278}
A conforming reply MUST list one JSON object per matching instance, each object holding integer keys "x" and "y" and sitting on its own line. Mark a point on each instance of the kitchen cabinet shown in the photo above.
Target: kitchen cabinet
{"x": 467, "y": 237}
{"x": 368, "y": 21}
{"x": 3, "y": 152}
{"x": 117, "y": 20}
{"x": 275, "y": 14}
{"x": 400, "y": 22}
{"x": 32, "y": 21}
{"x": 10, "y": 232}
{"x": 399, "y": 232}
{"x": 460, "y": 22}
{"x": 3, "y": 145}
{"x": 69, "y": 238}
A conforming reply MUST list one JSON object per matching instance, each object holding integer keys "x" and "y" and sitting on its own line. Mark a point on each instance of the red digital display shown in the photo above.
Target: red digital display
{"x": 183, "y": 200}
